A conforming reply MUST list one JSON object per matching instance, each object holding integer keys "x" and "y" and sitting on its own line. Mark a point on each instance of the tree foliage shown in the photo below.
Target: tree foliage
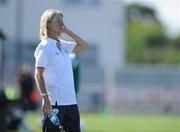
{"x": 146, "y": 39}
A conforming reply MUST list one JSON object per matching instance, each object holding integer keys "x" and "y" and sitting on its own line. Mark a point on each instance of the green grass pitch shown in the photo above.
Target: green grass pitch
{"x": 118, "y": 123}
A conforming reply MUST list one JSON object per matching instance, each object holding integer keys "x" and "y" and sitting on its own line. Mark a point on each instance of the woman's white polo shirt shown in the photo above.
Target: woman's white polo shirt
{"x": 58, "y": 74}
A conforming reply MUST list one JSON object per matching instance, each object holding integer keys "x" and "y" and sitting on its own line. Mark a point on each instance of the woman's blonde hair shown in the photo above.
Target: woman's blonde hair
{"x": 46, "y": 18}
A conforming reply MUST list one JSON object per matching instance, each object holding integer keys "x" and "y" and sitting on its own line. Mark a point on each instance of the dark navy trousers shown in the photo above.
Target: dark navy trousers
{"x": 69, "y": 119}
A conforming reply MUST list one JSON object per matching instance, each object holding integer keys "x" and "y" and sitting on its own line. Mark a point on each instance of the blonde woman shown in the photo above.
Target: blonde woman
{"x": 53, "y": 71}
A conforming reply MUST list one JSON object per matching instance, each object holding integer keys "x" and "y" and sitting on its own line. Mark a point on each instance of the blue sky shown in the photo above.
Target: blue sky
{"x": 168, "y": 12}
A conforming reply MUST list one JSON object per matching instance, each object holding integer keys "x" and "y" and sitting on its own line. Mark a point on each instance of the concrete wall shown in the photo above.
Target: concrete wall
{"x": 101, "y": 24}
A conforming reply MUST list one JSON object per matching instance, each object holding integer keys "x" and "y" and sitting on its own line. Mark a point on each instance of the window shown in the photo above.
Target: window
{"x": 3, "y": 2}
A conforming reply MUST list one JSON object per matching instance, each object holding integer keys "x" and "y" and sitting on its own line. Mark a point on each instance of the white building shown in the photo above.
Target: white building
{"x": 99, "y": 22}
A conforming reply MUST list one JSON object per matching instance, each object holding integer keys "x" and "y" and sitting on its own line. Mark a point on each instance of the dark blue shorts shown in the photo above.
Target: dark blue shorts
{"x": 69, "y": 119}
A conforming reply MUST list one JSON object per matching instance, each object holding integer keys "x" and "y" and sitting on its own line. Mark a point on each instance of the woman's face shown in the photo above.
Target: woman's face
{"x": 56, "y": 25}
